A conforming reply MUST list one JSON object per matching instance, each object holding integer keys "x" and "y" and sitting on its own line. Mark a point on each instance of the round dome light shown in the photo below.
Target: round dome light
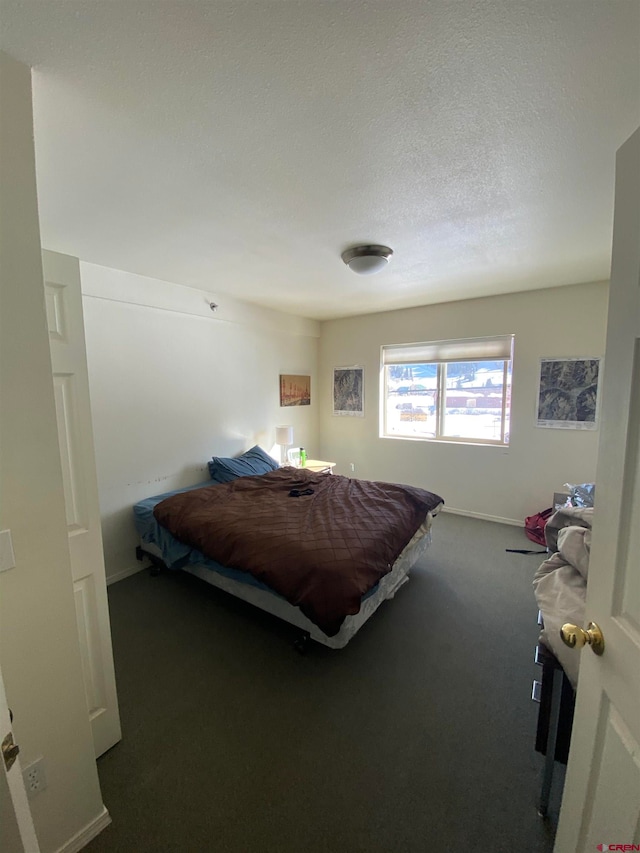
{"x": 366, "y": 260}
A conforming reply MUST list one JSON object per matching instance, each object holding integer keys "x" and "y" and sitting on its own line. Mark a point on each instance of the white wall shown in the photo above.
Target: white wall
{"x": 501, "y": 483}
{"x": 39, "y": 649}
{"x": 173, "y": 383}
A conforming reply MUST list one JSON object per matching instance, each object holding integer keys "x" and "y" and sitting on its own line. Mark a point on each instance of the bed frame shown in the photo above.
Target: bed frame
{"x": 273, "y": 603}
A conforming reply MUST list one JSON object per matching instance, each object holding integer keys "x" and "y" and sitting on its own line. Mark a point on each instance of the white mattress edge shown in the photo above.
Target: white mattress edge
{"x": 277, "y": 606}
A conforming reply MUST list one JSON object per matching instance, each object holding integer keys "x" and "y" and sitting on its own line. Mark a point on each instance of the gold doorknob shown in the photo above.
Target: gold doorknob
{"x": 573, "y": 636}
{"x": 10, "y": 751}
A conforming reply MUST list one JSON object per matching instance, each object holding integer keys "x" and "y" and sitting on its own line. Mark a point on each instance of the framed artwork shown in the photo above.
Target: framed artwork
{"x": 568, "y": 395}
{"x": 348, "y": 391}
{"x": 295, "y": 390}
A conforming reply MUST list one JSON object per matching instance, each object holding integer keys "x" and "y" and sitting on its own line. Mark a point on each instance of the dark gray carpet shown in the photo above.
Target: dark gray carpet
{"x": 417, "y": 736}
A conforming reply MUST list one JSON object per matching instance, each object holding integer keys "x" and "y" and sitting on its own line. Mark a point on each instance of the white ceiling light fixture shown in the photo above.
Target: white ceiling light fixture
{"x": 366, "y": 260}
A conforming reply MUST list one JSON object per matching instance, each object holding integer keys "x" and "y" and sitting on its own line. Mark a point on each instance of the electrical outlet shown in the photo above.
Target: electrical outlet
{"x": 34, "y": 777}
{"x": 352, "y": 465}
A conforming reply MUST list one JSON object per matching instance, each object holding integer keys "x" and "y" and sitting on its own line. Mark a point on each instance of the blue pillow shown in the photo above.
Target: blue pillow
{"x": 250, "y": 463}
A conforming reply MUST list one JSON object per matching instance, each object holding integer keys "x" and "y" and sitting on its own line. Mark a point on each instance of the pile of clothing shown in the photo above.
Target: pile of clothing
{"x": 560, "y": 583}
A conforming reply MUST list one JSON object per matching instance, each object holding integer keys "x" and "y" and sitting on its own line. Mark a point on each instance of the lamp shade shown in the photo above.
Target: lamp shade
{"x": 284, "y": 435}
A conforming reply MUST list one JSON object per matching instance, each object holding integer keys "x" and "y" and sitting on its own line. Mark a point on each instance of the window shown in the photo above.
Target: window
{"x": 448, "y": 390}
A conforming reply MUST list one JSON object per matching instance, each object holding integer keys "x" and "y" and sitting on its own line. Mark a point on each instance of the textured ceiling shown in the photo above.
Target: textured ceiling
{"x": 239, "y": 147}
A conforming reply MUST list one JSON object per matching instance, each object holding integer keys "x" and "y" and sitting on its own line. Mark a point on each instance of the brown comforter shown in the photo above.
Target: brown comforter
{"x": 321, "y": 551}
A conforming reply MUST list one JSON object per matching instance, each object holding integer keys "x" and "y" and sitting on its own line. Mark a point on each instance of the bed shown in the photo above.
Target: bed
{"x": 320, "y": 551}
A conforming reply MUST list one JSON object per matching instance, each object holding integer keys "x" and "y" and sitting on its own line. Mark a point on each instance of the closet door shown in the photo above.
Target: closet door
{"x": 75, "y": 436}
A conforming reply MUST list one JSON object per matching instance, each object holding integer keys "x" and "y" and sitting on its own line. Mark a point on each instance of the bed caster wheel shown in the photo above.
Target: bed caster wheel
{"x": 301, "y": 645}
{"x": 155, "y": 568}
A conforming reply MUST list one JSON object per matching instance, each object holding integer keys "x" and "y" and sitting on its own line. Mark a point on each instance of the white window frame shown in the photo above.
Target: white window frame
{"x": 441, "y": 353}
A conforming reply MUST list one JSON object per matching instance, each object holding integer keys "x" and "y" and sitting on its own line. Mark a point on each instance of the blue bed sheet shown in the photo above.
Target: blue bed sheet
{"x": 175, "y": 554}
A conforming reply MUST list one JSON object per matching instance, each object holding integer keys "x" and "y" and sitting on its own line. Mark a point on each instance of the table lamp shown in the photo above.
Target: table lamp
{"x": 284, "y": 437}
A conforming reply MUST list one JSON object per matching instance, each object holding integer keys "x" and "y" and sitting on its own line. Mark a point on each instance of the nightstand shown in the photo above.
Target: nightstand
{"x": 320, "y": 467}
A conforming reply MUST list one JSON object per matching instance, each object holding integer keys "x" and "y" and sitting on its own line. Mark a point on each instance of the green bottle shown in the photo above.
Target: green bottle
{"x": 303, "y": 457}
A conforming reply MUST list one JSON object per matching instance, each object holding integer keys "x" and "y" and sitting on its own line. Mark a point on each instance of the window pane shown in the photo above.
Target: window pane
{"x": 474, "y": 401}
{"x": 411, "y": 392}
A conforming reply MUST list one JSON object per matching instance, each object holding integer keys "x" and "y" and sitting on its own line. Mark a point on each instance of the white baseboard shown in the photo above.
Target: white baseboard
{"x": 82, "y": 838}
{"x": 515, "y": 522}
{"x": 126, "y": 573}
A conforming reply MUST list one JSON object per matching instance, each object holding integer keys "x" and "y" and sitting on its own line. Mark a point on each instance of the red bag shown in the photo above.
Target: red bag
{"x": 534, "y": 525}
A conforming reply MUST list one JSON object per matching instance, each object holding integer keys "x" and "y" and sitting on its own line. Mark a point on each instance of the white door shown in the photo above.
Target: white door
{"x": 75, "y": 434}
{"x": 601, "y": 803}
{"x": 17, "y": 833}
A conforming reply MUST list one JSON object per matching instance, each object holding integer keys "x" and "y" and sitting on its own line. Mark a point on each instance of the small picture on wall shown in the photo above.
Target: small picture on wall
{"x": 348, "y": 391}
{"x": 295, "y": 390}
{"x": 568, "y": 393}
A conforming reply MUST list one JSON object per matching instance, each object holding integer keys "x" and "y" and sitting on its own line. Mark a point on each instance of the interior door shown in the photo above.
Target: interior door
{"x": 75, "y": 434}
{"x": 601, "y": 803}
{"x": 17, "y": 833}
